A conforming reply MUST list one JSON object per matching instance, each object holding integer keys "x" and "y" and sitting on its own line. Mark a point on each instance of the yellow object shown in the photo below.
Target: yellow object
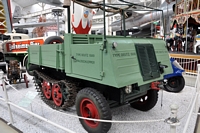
{"x": 3, "y": 27}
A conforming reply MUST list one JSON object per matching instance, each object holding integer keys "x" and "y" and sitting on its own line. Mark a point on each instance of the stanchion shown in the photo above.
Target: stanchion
{"x": 195, "y": 104}
{"x": 6, "y": 95}
{"x": 172, "y": 120}
{"x": 197, "y": 89}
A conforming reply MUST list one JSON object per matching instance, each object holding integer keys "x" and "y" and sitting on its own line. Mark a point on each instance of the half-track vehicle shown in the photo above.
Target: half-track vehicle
{"x": 99, "y": 72}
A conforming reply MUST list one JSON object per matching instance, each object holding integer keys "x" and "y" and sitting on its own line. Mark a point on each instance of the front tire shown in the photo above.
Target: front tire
{"x": 197, "y": 50}
{"x": 175, "y": 84}
{"x": 91, "y": 104}
{"x": 147, "y": 101}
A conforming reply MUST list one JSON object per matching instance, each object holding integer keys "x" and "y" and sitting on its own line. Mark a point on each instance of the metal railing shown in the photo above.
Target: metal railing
{"x": 195, "y": 104}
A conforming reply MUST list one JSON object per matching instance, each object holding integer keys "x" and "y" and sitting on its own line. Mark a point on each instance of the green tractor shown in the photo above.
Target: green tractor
{"x": 98, "y": 72}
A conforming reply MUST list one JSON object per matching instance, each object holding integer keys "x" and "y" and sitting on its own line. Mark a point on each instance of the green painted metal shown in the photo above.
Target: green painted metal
{"x": 113, "y": 62}
{"x": 84, "y": 57}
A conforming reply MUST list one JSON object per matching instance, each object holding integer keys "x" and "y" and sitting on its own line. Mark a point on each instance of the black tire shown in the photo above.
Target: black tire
{"x": 53, "y": 39}
{"x": 91, "y": 103}
{"x": 197, "y": 50}
{"x": 175, "y": 84}
{"x": 147, "y": 101}
{"x": 26, "y": 63}
{"x": 30, "y": 67}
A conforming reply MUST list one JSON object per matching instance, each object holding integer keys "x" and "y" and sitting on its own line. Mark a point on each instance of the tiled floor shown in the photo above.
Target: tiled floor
{"x": 30, "y": 124}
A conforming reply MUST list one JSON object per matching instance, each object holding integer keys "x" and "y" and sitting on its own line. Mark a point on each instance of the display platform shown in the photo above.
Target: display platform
{"x": 5, "y": 128}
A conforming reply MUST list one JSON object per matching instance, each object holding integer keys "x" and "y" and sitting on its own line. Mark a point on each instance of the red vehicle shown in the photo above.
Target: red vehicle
{"x": 14, "y": 46}
{"x": 13, "y": 53}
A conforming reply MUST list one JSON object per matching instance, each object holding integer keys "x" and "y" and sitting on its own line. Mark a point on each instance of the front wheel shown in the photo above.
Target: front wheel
{"x": 175, "y": 84}
{"x": 197, "y": 50}
{"x": 30, "y": 67}
{"x": 91, "y": 104}
{"x": 147, "y": 101}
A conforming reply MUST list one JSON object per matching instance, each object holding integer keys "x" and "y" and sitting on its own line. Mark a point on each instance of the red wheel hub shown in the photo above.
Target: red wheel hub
{"x": 57, "y": 95}
{"x": 89, "y": 110}
{"x": 46, "y": 88}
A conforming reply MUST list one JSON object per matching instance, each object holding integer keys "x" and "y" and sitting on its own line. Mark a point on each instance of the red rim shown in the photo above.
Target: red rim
{"x": 46, "y": 88}
{"x": 89, "y": 110}
{"x": 57, "y": 95}
{"x": 26, "y": 80}
{"x": 173, "y": 83}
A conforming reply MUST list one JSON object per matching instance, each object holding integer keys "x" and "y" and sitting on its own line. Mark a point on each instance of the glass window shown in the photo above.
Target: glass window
{"x": 17, "y": 37}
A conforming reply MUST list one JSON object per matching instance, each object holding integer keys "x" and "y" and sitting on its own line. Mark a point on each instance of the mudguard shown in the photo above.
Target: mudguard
{"x": 177, "y": 69}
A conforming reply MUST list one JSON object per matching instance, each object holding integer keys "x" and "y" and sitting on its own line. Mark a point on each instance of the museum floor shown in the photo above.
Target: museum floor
{"x": 29, "y": 124}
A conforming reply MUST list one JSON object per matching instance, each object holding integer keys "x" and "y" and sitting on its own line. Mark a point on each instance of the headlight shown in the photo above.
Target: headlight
{"x": 128, "y": 89}
{"x": 114, "y": 45}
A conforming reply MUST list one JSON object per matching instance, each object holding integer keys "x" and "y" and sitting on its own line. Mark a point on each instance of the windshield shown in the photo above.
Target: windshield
{"x": 4, "y": 37}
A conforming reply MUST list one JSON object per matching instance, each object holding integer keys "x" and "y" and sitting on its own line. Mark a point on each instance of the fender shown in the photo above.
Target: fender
{"x": 23, "y": 63}
{"x": 177, "y": 69}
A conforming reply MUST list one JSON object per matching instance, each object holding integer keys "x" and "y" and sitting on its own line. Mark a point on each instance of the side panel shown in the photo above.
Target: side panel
{"x": 50, "y": 55}
{"x": 34, "y": 54}
{"x": 124, "y": 63}
{"x": 87, "y": 60}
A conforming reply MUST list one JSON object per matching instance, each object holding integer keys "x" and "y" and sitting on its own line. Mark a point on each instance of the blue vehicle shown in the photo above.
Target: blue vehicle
{"x": 175, "y": 81}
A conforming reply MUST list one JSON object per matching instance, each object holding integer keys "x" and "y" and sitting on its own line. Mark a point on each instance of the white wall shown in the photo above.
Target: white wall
{"x": 36, "y": 8}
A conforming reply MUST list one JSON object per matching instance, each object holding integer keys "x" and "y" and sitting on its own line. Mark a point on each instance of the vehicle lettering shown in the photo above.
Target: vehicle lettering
{"x": 21, "y": 46}
{"x": 86, "y": 61}
{"x": 123, "y": 54}
{"x": 85, "y": 55}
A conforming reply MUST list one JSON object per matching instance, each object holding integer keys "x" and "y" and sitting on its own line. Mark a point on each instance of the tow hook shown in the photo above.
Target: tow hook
{"x": 157, "y": 85}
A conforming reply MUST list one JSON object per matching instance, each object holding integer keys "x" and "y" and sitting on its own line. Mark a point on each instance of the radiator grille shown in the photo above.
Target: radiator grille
{"x": 86, "y": 39}
{"x": 147, "y": 61}
{"x": 80, "y": 40}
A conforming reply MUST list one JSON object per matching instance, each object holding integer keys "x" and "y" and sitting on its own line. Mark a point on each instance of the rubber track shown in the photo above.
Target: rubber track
{"x": 69, "y": 96}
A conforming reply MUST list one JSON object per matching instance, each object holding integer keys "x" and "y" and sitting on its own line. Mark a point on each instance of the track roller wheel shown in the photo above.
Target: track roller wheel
{"x": 46, "y": 89}
{"x": 91, "y": 104}
{"x": 57, "y": 95}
